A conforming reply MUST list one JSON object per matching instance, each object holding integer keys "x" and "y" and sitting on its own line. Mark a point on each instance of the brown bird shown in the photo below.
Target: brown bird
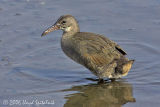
{"x": 102, "y": 56}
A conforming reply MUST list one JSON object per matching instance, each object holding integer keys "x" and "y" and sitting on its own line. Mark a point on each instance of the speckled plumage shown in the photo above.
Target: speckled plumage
{"x": 100, "y": 55}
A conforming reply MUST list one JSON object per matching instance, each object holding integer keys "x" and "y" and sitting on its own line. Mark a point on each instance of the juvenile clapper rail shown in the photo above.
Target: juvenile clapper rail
{"x": 102, "y": 56}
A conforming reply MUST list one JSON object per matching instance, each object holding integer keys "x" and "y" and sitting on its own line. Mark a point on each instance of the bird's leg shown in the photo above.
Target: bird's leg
{"x": 112, "y": 79}
{"x": 101, "y": 81}
{"x": 92, "y": 79}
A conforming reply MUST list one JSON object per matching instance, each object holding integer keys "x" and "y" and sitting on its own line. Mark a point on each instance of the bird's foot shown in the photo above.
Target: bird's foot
{"x": 101, "y": 81}
{"x": 112, "y": 79}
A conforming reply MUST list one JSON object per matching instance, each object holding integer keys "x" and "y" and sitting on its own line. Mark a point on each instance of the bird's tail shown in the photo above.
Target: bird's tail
{"x": 126, "y": 67}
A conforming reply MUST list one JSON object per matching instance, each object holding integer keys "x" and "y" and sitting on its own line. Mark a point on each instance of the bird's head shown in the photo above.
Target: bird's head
{"x": 67, "y": 23}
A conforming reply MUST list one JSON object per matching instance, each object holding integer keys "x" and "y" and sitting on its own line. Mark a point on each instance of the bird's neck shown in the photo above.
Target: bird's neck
{"x": 71, "y": 30}
{"x": 68, "y": 35}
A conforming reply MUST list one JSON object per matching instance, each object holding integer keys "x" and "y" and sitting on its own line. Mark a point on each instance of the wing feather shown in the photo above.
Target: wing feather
{"x": 96, "y": 50}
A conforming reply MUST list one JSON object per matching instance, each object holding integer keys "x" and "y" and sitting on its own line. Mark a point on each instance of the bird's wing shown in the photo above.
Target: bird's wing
{"x": 113, "y": 44}
{"x": 120, "y": 50}
{"x": 95, "y": 50}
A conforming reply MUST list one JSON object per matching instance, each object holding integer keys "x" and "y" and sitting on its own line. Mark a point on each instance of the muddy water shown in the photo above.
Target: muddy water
{"x": 34, "y": 72}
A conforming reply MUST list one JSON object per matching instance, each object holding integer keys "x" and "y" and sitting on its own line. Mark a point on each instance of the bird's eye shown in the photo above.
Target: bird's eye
{"x": 63, "y": 22}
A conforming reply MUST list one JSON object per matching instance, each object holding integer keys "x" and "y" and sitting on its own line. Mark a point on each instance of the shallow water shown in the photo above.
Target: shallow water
{"x": 35, "y": 69}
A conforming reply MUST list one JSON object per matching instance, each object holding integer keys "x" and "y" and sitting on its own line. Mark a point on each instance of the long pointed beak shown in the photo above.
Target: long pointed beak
{"x": 50, "y": 29}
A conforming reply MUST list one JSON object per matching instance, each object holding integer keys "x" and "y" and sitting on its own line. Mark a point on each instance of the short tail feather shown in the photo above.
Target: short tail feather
{"x": 126, "y": 67}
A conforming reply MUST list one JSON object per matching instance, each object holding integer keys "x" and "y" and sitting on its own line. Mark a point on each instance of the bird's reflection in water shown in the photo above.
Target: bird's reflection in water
{"x": 114, "y": 94}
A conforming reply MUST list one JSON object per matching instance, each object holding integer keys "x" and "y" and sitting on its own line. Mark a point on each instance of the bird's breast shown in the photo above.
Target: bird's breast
{"x": 70, "y": 49}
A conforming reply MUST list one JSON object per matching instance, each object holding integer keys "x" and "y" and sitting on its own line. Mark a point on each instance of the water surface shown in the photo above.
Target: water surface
{"x": 35, "y": 69}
